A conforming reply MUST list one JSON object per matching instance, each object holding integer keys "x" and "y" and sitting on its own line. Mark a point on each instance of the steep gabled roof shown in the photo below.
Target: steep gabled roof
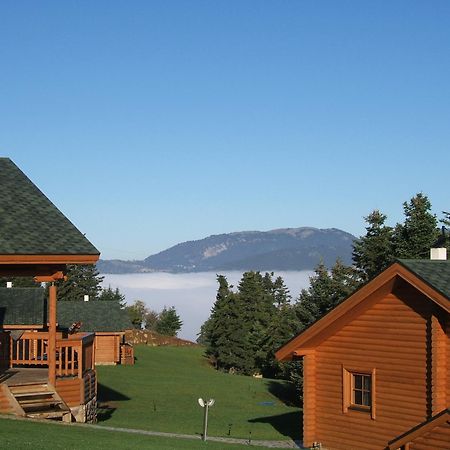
{"x": 95, "y": 315}
{"x": 430, "y": 277}
{"x": 31, "y": 225}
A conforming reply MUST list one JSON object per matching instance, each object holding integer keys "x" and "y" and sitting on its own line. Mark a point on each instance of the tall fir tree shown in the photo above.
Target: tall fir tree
{"x": 169, "y": 322}
{"x": 373, "y": 252}
{"x": 112, "y": 295}
{"x": 81, "y": 280}
{"x": 327, "y": 289}
{"x": 419, "y": 232}
{"x": 257, "y": 301}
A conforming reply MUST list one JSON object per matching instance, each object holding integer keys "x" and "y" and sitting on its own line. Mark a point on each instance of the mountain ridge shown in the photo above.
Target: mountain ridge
{"x": 299, "y": 248}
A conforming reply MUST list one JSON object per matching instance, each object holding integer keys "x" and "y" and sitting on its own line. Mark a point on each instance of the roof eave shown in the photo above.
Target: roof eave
{"x": 49, "y": 259}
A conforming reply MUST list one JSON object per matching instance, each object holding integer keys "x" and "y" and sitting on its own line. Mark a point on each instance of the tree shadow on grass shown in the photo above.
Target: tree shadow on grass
{"x": 107, "y": 399}
{"x": 289, "y": 424}
{"x": 285, "y": 392}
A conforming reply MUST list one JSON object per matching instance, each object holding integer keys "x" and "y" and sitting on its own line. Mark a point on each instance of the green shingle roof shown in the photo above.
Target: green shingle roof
{"x": 95, "y": 316}
{"x": 30, "y": 224}
{"x": 22, "y": 306}
{"x": 436, "y": 273}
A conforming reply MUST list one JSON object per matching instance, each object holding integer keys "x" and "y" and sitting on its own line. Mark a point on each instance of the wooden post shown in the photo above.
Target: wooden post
{"x": 51, "y": 350}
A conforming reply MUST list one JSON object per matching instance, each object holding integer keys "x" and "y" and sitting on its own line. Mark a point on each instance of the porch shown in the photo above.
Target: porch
{"x": 24, "y": 378}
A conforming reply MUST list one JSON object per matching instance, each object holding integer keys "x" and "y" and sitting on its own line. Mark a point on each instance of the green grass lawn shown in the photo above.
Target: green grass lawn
{"x": 22, "y": 435}
{"x": 160, "y": 393}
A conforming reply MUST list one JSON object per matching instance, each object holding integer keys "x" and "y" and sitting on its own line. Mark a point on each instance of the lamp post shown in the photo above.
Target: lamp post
{"x": 205, "y": 405}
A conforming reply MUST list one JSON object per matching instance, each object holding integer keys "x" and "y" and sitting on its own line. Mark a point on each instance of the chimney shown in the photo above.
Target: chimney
{"x": 439, "y": 254}
{"x": 86, "y": 298}
{"x": 9, "y": 284}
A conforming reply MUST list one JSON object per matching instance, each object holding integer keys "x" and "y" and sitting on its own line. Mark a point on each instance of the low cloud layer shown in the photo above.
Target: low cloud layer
{"x": 192, "y": 294}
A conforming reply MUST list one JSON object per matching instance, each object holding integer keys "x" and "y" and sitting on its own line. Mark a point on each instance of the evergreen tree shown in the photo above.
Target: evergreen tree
{"x": 213, "y": 327}
{"x": 238, "y": 335}
{"x": 81, "y": 280}
{"x": 112, "y": 295}
{"x": 373, "y": 252}
{"x": 326, "y": 290}
{"x": 257, "y": 303}
{"x": 223, "y": 333}
{"x": 445, "y": 235}
{"x": 414, "y": 238}
{"x": 169, "y": 322}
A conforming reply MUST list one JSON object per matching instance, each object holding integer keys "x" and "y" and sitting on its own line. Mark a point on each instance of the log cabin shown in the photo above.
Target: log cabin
{"x": 106, "y": 319}
{"x": 45, "y": 373}
{"x": 375, "y": 368}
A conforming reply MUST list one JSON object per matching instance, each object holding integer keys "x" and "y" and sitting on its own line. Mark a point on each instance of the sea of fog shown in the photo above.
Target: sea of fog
{"x": 192, "y": 294}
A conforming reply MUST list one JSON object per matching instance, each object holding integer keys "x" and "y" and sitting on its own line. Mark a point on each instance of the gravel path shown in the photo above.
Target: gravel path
{"x": 252, "y": 443}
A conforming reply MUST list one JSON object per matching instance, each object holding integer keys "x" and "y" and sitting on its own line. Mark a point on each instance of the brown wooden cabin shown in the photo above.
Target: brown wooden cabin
{"x": 376, "y": 371}
{"x": 103, "y": 318}
{"x": 45, "y": 373}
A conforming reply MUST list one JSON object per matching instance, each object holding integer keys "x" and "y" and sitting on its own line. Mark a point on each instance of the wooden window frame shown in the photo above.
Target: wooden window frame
{"x": 348, "y": 389}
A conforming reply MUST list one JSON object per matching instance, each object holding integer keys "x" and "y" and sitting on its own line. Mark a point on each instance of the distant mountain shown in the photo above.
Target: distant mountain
{"x": 283, "y": 249}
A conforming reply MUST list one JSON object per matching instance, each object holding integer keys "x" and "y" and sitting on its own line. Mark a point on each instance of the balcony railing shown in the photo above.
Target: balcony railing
{"x": 74, "y": 354}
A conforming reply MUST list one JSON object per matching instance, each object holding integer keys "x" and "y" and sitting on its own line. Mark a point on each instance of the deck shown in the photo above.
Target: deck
{"x": 24, "y": 376}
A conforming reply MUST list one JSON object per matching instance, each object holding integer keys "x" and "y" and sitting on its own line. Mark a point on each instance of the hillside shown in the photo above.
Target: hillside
{"x": 282, "y": 249}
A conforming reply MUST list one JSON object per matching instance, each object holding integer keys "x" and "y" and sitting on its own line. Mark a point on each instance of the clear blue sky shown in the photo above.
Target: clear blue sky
{"x": 154, "y": 122}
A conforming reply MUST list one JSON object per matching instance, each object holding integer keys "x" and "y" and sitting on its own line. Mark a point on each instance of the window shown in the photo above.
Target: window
{"x": 361, "y": 389}
{"x": 358, "y": 389}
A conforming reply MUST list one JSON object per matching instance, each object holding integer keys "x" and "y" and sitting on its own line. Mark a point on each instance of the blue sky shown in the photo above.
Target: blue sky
{"x": 154, "y": 122}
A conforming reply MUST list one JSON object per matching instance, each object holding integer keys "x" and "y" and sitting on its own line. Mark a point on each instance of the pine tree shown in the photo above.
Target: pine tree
{"x": 326, "y": 290}
{"x": 256, "y": 296}
{"x": 112, "y": 295}
{"x": 169, "y": 322}
{"x": 414, "y": 238}
{"x": 81, "y": 280}
{"x": 445, "y": 234}
{"x": 373, "y": 252}
{"x": 236, "y": 331}
{"x": 223, "y": 333}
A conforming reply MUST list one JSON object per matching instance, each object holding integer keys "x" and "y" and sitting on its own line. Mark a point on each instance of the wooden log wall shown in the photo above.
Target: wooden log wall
{"x": 107, "y": 348}
{"x": 394, "y": 337}
{"x": 70, "y": 390}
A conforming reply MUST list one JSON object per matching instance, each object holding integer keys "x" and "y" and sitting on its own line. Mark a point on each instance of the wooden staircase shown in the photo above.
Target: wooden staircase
{"x": 38, "y": 401}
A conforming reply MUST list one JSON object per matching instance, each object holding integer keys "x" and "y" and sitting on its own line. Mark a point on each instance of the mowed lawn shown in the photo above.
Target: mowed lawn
{"x": 160, "y": 392}
{"x": 22, "y": 435}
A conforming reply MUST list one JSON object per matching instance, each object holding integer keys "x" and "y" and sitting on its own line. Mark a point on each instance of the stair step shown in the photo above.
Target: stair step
{"x": 47, "y": 415}
{"x": 29, "y": 388}
{"x": 32, "y": 394}
{"x": 37, "y": 402}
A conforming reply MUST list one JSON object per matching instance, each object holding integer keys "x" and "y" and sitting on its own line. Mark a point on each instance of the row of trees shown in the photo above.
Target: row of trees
{"x": 248, "y": 324}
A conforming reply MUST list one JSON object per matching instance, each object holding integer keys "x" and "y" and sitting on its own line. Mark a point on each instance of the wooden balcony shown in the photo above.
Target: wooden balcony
{"x": 74, "y": 353}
